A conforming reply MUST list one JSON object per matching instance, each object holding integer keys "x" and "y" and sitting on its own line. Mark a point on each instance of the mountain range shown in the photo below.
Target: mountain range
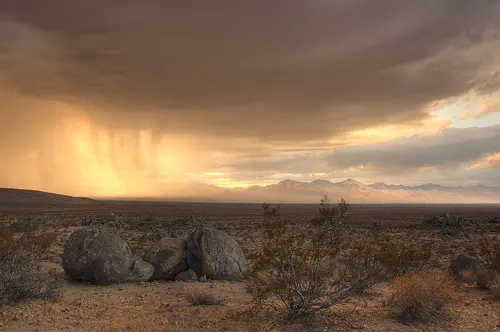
{"x": 291, "y": 191}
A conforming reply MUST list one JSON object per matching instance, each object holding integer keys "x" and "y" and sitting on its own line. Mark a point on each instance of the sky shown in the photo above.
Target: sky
{"x": 131, "y": 98}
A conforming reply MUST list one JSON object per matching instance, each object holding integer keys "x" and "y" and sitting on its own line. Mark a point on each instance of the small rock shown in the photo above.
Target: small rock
{"x": 188, "y": 275}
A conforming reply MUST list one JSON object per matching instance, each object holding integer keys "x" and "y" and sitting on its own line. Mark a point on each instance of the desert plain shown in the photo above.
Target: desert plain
{"x": 165, "y": 305}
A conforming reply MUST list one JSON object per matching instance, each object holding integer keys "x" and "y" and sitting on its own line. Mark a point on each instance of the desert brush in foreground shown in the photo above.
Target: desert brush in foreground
{"x": 304, "y": 272}
{"x": 423, "y": 296}
{"x": 20, "y": 275}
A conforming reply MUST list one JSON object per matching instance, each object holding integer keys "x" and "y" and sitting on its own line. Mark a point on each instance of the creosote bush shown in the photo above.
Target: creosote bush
{"x": 303, "y": 272}
{"x": 488, "y": 276}
{"x": 401, "y": 258}
{"x": 20, "y": 275}
{"x": 274, "y": 212}
{"x": 329, "y": 213}
{"x": 423, "y": 296}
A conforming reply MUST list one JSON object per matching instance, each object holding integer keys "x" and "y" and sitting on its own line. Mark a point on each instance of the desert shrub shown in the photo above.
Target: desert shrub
{"x": 343, "y": 206}
{"x": 303, "y": 272}
{"x": 300, "y": 273}
{"x": 489, "y": 254}
{"x": 201, "y": 297}
{"x": 27, "y": 224}
{"x": 422, "y": 296}
{"x": 450, "y": 225}
{"x": 401, "y": 258}
{"x": 325, "y": 209}
{"x": 328, "y": 213}
{"x": 20, "y": 275}
{"x": 274, "y": 212}
{"x": 292, "y": 274}
{"x": 485, "y": 278}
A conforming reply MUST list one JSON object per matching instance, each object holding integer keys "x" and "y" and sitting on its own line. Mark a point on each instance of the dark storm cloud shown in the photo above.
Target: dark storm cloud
{"x": 276, "y": 70}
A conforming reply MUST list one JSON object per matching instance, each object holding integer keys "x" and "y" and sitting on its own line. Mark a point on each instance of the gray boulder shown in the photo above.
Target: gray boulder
{"x": 85, "y": 246}
{"x": 188, "y": 275}
{"x": 115, "y": 270}
{"x": 168, "y": 257}
{"x": 112, "y": 270}
{"x": 215, "y": 254}
{"x": 141, "y": 271}
{"x": 103, "y": 258}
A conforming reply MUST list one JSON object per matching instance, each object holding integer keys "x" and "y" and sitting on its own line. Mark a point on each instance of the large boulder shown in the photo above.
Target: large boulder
{"x": 215, "y": 254}
{"x": 103, "y": 258}
{"x": 112, "y": 270}
{"x": 168, "y": 257}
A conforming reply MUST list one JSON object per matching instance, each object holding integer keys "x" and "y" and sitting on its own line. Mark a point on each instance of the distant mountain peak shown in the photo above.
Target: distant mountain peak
{"x": 287, "y": 181}
{"x": 351, "y": 183}
{"x": 321, "y": 183}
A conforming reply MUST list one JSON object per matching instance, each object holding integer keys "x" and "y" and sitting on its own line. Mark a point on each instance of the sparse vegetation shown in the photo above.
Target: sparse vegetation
{"x": 328, "y": 213}
{"x": 201, "y": 297}
{"x": 343, "y": 207}
{"x": 297, "y": 275}
{"x": 301, "y": 273}
{"x": 488, "y": 276}
{"x": 274, "y": 212}
{"x": 401, "y": 258}
{"x": 20, "y": 275}
{"x": 343, "y": 272}
{"x": 423, "y": 296}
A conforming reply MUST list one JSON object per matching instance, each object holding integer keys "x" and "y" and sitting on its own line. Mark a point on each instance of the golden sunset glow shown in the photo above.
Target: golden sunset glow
{"x": 126, "y": 105}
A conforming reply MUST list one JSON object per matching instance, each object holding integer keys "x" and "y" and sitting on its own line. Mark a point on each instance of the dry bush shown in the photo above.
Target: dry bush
{"x": 201, "y": 297}
{"x": 301, "y": 272}
{"x": 495, "y": 288}
{"x": 328, "y": 213}
{"x": 343, "y": 206}
{"x": 295, "y": 272}
{"x": 485, "y": 278}
{"x": 401, "y": 258}
{"x": 274, "y": 212}
{"x": 20, "y": 275}
{"x": 488, "y": 257}
{"x": 489, "y": 254}
{"x": 423, "y": 296}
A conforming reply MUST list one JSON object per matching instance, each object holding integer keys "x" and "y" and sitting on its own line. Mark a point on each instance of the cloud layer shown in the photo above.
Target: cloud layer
{"x": 238, "y": 81}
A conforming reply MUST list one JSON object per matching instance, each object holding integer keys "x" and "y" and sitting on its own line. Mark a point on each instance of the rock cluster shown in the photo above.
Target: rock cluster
{"x": 104, "y": 258}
